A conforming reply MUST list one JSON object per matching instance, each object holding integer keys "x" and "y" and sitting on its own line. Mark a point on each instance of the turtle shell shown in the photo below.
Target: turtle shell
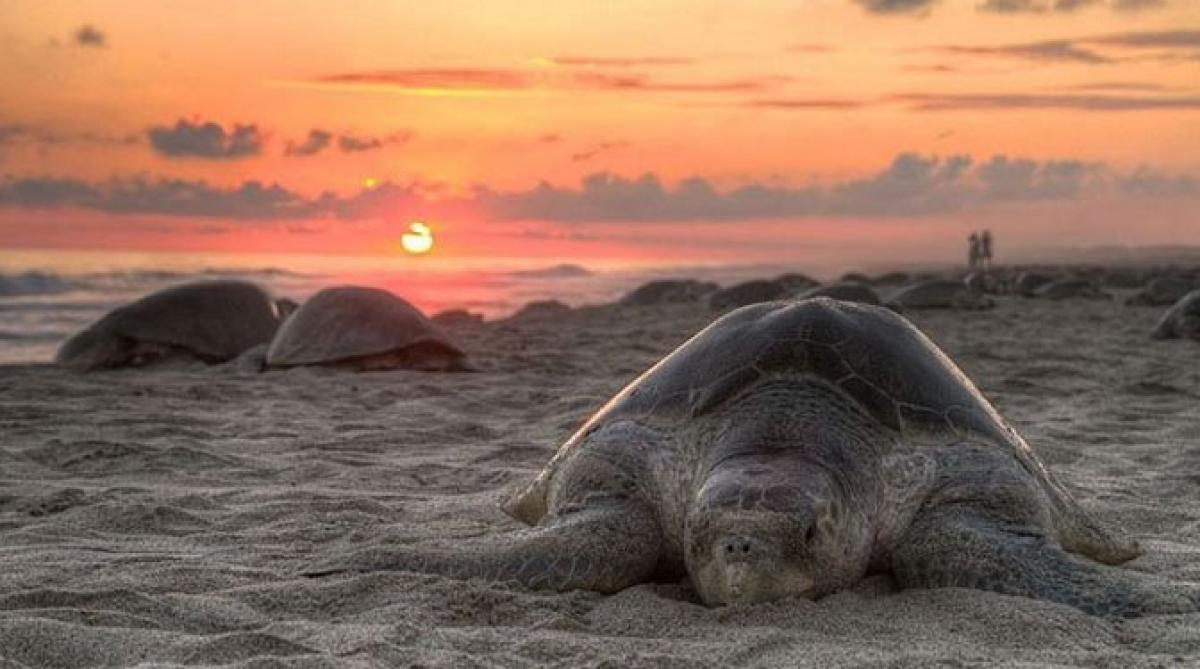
{"x": 876, "y": 357}
{"x": 348, "y": 322}
{"x": 214, "y": 320}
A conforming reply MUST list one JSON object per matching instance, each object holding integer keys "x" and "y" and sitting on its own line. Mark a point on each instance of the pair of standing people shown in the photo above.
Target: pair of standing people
{"x": 979, "y": 252}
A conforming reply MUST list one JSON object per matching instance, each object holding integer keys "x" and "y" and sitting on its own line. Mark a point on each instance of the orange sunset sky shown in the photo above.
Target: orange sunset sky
{"x": 614, "y": 132}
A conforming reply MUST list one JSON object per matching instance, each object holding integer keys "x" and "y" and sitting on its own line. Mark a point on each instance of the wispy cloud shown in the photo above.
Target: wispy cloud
{"x": 804, "y": 103}
{"x": 596, "y": 150}
{"x": 478, "y": 80}
{"x": 461, "y": 78}
{"x": 1053, "y": 50}
{"x": 1120, "y": 86}
{"x": 90, "y": 36}
{"x": 188, "y": 139}
{"x": 1064, "y": 6}
{"x": 15, "y": 133}
{"x": 911, "y": 7}
{"x": 982, "y": 101}
{"x": 316, "y": 142}
{"x": 604, "y": 61}
{"x": 1150, "y": 39}
{"x": 1094, "y": 49}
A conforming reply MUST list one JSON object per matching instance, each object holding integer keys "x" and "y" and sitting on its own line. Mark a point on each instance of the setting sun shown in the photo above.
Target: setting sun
{"x": 418, "y": 240}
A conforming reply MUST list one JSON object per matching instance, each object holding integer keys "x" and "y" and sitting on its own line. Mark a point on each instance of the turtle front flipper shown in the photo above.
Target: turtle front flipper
{"x": 605, "y": 546}
{"x": 961, "y": 547}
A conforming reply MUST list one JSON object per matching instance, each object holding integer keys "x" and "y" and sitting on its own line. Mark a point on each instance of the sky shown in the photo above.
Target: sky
{"x": 604, "y": 132}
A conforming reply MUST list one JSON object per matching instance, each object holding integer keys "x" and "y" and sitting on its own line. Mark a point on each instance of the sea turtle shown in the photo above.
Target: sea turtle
{"x": 747, "y": 292}
{"x": 664, "y": 291}
{"x": 1077, "y": 287}
{"x": 363, "y": 329}
{"x": 848, "y": 291}
{"x": 891, "y": 279}
{"x": 984, "y": 282}
{"x": 1181, "y": 320}
{"x": 940, "y": 294}
{"x": 1028, "y": 282}
{"x": 1162, "y": 291}
{"x": 794, "y": 282}
{"x": 212, "y": 321}
{"x": 541, "y": 310}
{"x": 790, "y": 449}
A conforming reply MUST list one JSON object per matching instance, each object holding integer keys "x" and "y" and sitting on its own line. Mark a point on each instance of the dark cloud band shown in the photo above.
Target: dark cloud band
{"x": 912, "y": 185}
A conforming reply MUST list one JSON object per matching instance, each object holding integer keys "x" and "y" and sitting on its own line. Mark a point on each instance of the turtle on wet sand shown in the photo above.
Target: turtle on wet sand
{"x": 1182, "y": 321}
{"x": 791, "y": 449}
{"x": 211, "y": 321}
{"x": 363, "y": 329}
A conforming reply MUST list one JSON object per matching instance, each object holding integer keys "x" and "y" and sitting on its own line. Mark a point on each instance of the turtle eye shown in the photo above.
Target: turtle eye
{"x": 810, "y": 533}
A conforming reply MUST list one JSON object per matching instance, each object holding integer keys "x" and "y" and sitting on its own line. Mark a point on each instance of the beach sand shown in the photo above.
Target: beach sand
{"x": 160, "y": 517}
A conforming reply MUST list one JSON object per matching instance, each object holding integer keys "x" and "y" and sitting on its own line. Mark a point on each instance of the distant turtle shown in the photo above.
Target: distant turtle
{"x": 847, "y": 291}
{"x": 940, "y": 294}
{"x": 664, "y": 291}
{"x": 1064, "y": 289}
{"x": 539, "y": 310}
{"x": 1028, "y": 282}
{"x": 854, "y": 277}
{"x": 211, "y": 321}
{"x": 1162, "y": 291}
{"x": 891, "y": 279}
{"x": 791, "y": 449}
{"x": 747, "y": 292}
{"x": 794, "y": 282}
{"x": 1181, "y": 320}
{"x": 362, "y": 329}
{"x": 982, "y": 282}
{"x": 1125, "y": 277}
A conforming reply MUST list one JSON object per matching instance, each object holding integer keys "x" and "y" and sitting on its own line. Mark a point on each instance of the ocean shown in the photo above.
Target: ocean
{"x": 46, "y": 296}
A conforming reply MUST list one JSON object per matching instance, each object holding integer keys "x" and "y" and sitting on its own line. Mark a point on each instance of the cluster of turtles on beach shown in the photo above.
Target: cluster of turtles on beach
{"x": 790, "y": 449}
{"x": 222, "y": 321}
{"x": 362, "y": 328}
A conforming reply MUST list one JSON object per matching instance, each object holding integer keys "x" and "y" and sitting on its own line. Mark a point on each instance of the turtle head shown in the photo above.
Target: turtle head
{"x": 766, "y": 529}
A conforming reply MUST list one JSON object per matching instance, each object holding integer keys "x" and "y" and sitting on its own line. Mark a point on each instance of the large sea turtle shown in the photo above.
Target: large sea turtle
{"x": 364, "y": 329}
{"x": 1181, "y": 320}
{"x": 213, "y": 321}
{"x": 940, "y": 294}
{"x": 790, "y": 449}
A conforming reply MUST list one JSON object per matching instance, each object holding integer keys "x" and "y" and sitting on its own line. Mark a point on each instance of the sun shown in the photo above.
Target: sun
{"x": 418, "y": 240}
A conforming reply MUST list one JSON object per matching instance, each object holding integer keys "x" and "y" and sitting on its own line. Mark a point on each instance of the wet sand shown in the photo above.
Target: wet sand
{"x": 160, "y": 517}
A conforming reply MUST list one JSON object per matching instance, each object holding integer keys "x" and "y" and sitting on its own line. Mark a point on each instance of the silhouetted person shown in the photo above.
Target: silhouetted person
{"x": 973, "y": 251}
{"x": 985, "y": 249}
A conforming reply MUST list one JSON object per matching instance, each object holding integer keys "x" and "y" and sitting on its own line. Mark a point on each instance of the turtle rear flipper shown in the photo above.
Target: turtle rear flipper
{"x": 607, "y": 546}
{"x": 958, "y": 546}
